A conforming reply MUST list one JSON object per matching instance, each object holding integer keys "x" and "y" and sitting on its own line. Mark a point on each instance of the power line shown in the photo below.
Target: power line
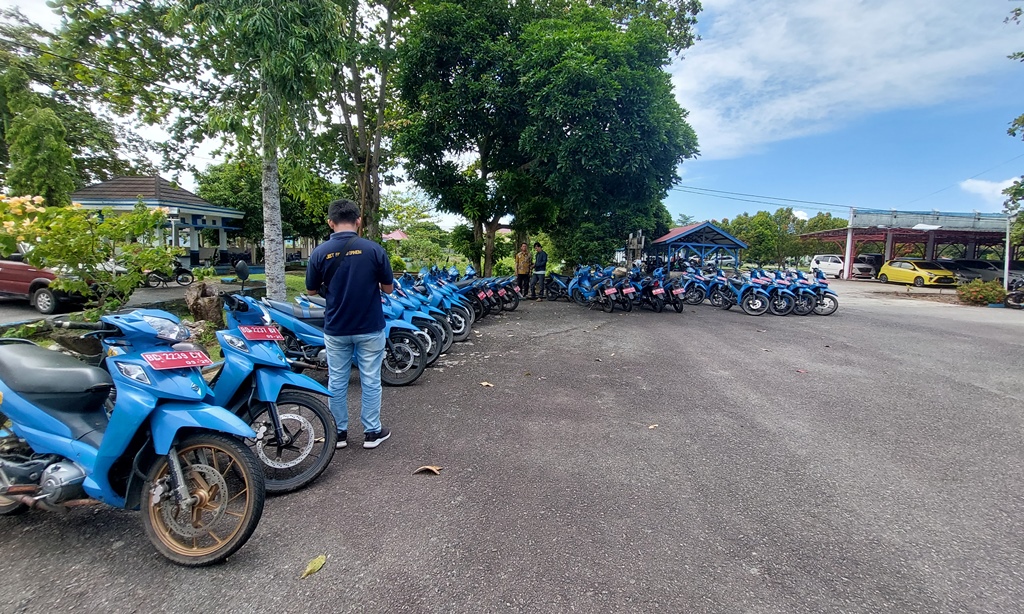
{"x": 93, "y": 66}
{"x": 815, "y": 206}
{"x": 959, "y": 182}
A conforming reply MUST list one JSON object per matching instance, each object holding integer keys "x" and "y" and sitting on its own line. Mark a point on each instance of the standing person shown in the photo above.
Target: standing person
{"x": 350, "y": 273}
{"x": 540, "y": 265}
{"x": 524, "y": 264}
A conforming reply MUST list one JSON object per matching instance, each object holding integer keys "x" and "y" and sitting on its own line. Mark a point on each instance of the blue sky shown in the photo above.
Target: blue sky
{"x": 870, "y": 103}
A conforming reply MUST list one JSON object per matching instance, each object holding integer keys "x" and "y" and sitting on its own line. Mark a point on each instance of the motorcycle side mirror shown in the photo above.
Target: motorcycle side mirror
{"x": 242, "y": 270}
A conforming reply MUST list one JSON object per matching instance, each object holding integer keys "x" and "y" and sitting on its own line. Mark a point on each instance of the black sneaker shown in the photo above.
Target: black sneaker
{"x": 342, "y": 440}
{"x": 375, "y": 438}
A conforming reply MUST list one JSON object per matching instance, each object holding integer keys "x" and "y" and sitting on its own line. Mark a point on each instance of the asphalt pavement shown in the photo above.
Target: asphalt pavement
{"x": 708, "y": 461}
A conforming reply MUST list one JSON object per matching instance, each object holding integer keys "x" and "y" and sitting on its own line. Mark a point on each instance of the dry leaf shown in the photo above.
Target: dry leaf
{"x": 597, "y": 360}
{"x": 801, "y": 370}
{"x": 527, "y": 374}
{"x": 487, "y": 384}
{"x": 653, "y": 426}
{"x": 429, "y": 469}
{"x": 314, "y": 566}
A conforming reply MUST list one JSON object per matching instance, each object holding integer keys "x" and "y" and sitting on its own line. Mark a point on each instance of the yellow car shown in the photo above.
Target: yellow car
{"x": 917, "y": 272}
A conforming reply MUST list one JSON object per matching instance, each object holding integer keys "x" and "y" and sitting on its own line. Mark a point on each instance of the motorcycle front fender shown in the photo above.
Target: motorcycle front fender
{"x": 270, "y": 382}
{"x": 832, "y": 292}
{"x": 169, "y": 418}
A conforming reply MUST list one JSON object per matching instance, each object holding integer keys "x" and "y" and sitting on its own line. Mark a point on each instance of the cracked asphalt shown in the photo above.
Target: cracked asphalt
{"x": 708, "y": 461}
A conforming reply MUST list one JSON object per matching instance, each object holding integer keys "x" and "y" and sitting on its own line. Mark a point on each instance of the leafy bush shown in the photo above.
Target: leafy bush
{"x": 981, "y": 292}
{"x": 397, "y": 264}
{"x": 201, "y": 273}
{"x": 98, "y": 254}
{"x": 504, "y": 267}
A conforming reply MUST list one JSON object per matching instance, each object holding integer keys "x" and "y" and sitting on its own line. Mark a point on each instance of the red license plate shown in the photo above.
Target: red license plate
{"x": 490, "y": 293}
{"x": 481, "y": 295}
{"x": 658, "y": 291}
{"x": 176, "y": 360}
{"x": 629, "y": 290}
{"x": 517, "y": 289}
{"x": 610, "y": 291}
{"x": 261, "y": 333}
{"x": 501, "y": 292}
{"x": 677, "y": 291}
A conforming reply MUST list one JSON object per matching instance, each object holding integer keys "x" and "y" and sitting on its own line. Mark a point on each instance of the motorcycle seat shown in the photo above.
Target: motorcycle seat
{"x": 33, "y": 369}
{"x": 464, "y": 283}
{"x": 314, "y": 313}
{"x": 563, "y": 278}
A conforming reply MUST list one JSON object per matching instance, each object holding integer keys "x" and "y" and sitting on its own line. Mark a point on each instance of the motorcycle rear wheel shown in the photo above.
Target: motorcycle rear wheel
{"x": 658, "y": 304}
{"x": 626, "y": 304}
{"x": 184, "y": 278}
{"x": 308, "y": 420}
{"x": 1013, "y": 300}
{"x": 226, "y": 476}
{"x": 511, "y": 299}
{"x": 717, "y": 298}
{"x": 9, "y": 507}
{"x": 607, "y": 305}
{"x": 404, "y": 359}
{"x": 552, "y": 293}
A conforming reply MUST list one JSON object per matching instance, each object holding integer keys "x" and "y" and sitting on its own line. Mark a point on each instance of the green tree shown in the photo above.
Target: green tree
{"x": 683, "y": 219}
{"x": 605, "y": 134}
{"x": 34, "y": 77}
{"x": 41, "y": 161}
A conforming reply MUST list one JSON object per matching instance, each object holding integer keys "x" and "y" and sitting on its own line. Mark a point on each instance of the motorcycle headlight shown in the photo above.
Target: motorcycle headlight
{"x": 167, "y": 329}
{"x": 236, "y": 342}
{"x": 134, "y": 372}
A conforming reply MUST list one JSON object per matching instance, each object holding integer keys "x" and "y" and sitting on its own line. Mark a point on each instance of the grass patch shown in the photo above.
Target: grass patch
{"x": 295, "y": 281}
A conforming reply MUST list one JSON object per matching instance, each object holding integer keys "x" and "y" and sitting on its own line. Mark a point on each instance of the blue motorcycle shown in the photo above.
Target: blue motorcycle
{"x": 136, "y": 432}
{"x": 302, "y": 326}
{"x": 295, "y": 430}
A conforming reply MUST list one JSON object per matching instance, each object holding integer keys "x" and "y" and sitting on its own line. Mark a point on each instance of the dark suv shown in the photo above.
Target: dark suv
{"x": 20, "y": 279}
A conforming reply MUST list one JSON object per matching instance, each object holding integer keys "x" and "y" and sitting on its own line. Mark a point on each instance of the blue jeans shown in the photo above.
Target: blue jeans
{"x": 368, "y": 352}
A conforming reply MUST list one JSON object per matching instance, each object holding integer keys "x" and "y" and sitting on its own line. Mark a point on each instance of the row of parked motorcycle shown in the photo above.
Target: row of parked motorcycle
{"x": 151, "y": 423}
{"x": 756, "y": 292}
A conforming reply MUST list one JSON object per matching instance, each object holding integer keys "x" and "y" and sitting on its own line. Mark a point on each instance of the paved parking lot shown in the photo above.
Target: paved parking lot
{"x": 704, "y": 462}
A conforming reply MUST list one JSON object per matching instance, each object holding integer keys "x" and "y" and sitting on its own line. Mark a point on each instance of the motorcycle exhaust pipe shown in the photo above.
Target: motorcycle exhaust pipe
{"x": 26, "y": 489}
{"x": 305, "y": 365}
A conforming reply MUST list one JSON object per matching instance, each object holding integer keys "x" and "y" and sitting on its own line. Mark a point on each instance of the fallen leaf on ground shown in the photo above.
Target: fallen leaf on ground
{"x": 429, "y": 469}
{"x": 765, "y": 350}
{"x": 653, "y": 426}
{"x": 527, "y": 374}
{"x": 598, "y": 360}
{"x": 314, "y": 566}
{"x": 801, "y": 370}
{"x": 487, "y": 384}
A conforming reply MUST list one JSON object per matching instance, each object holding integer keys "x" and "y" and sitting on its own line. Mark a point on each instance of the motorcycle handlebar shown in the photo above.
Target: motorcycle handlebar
{"x": 83, "y": 325}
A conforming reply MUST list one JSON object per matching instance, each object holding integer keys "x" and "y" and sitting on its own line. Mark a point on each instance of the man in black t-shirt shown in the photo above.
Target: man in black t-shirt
{"x": 350, "y": 273}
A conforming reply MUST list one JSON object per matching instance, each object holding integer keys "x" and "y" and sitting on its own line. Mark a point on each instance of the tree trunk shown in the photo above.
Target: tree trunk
{"x": 369, "y": 204}
{"x": 491, "y": 229}
{"x": 478, "y": 239}
{"x": 273, "y": 234}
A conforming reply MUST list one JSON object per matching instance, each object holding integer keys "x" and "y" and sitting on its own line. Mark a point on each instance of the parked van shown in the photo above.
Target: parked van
{"x": 832, "y": 264}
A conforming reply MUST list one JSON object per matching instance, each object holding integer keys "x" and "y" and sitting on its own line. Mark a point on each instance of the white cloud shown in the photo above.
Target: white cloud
{"x": 781, "y": 69}
{"x": 990, "y": 191}
{"x": 800, "y": 215}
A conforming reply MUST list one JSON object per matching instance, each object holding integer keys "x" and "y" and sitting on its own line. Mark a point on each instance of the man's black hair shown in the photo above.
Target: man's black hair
{"x": 343, "y": 211}
{"x": 537, "y": 244}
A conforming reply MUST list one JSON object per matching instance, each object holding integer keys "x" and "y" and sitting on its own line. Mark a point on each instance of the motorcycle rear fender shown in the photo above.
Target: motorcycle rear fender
{"x": 170, "y": 418}
{"x": 270, "y": 382}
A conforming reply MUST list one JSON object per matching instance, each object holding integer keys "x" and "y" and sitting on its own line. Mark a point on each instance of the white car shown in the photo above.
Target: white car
{"x": 832, "y": 264}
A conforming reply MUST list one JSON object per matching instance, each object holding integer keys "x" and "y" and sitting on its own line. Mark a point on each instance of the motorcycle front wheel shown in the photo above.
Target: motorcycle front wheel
{"x": 1013, "y": 300}
{"x": 226, "y": 484}
{"x": 310, "y": 433}
{"x": 184, "y": 278}
{"x": 404, "y": 359}
{"x": 695, "y": 295}
{"x": 716, "y": 298}
{"x": 754, "y": 304}
{"x": 827, "y": 305}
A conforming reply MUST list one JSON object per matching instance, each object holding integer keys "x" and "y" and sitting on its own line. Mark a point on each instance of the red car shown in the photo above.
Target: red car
{"x": 19, "y": 279}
